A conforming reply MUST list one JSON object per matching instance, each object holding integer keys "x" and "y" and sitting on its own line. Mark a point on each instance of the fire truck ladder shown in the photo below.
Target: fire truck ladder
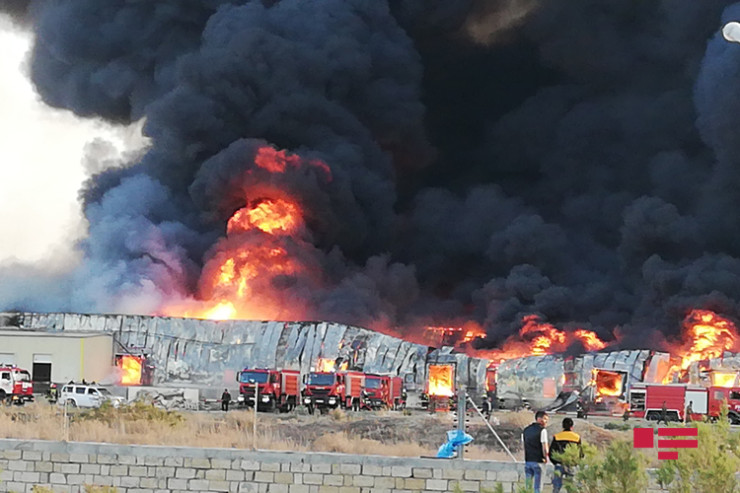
{"x": 472, "y": 405}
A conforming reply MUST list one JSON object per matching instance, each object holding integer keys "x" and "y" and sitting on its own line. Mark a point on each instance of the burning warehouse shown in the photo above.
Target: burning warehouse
{"x": 165, "y": 350}
{"x": 190, "y": 351}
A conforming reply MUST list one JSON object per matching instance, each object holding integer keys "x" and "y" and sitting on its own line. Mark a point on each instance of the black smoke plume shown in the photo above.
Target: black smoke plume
{"x": 574, "y": 160}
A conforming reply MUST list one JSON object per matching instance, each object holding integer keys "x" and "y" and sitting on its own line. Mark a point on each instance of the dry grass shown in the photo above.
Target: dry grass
{"x": 344, "y": 443}
{"x": 378, "y": 433}
{"x": 234, "y": 430}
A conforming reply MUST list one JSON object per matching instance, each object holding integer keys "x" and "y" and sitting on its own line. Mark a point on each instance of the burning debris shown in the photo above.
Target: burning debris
{"x": 706, "y": 335}
{"x": 441, "y": 380}
{"x": 608, "y": 383}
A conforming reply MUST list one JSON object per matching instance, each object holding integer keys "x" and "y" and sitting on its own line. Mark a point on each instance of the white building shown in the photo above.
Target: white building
{"x": 58, "y": 356}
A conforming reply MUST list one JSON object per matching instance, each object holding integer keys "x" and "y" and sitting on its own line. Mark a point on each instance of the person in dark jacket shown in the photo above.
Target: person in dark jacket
{"x": 225, "y": 400}
{"x": 534, "y": 438}
{"x": 559, "y": 442}
{"x": 485, "y": 408}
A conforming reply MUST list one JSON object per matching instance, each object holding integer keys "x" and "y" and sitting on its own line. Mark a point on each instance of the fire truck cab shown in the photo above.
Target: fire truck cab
{"x": 323, "y": 391}
{"x": 383, "y": 391}
{"x": 270, "y": 389}
{"x": 15, "y": 385}
{"x": 330, "y": 390}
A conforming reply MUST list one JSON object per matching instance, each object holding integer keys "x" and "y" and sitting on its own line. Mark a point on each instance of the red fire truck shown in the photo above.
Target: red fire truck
{"x": 15, "y": 385}
{"x": 646, "y": 401}
{"x": 330, "y": 390}
{"x": 376, "y": 392}
{"x": 398, "y": 393}
{"x": 383, "y": 391}
{"x": 277, "y": 390}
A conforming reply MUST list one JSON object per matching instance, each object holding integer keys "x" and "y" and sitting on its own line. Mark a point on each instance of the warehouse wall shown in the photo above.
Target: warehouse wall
{"x": 73, "y": 356}
{"x": 67, "y": 467}
{"x": 97, "y": 358}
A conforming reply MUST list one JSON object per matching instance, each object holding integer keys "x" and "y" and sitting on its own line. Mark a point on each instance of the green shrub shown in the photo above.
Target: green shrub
{"x": 137, "y": 411}
{"x": 709, "y": 468}
{"x": 618, "y": 469}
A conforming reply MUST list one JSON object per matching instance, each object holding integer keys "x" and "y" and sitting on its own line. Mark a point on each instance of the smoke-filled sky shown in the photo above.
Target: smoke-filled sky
{"x": 456, "y": 160}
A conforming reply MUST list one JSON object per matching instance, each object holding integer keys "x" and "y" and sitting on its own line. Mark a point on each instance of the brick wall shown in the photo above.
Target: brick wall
{"x": 67, "y": 467}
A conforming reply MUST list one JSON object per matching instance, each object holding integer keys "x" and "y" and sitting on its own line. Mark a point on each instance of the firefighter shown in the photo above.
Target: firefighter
{"x": 385, "y": 395}
{"x": 225, "y": 399}
{"x": 663, "y": 415}
{"x": 53, "y": 394}
{"x": 486, "y": 408}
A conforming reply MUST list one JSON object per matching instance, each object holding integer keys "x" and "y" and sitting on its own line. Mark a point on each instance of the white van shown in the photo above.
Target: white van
{"x": 78, "y": 395}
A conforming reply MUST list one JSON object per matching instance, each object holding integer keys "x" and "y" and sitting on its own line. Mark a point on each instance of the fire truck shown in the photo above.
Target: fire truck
{"x": 277, "y": 390}
{"x": 15, "y": 385}
{"x": 331, "y": 390}
{"x": 383, "y": 391}
{"x": 646, "y": 401}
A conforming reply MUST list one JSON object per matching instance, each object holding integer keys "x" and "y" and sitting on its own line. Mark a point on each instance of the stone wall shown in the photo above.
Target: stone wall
{"x": 68, "y": 467}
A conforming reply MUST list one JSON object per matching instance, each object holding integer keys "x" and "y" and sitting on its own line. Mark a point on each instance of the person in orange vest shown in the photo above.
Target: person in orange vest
{"x": 559, "y": 442}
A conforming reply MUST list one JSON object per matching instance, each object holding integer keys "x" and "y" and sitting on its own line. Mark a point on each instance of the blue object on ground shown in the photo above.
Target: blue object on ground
{"x": 455, "y": 438}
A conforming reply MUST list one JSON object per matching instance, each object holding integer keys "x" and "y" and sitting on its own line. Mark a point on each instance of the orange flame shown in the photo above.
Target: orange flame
{"x": 542, "y": 335}
{"x": 589, "y": 339}
{"x": 607, "y": 383}
{"x": 269, "y": 215}
{"x": 537, "y": 338}
{"x": 328, "y": 365}
{"x": 325, "y": 365}
{"x": 441, "y": 380}
{"x": 705, "y": 335}
{"x": 261, "y": 245}
{"x": 278, "y": 161}
{"x": 724, "y": 379}
{"x": 453, "y": 336}
{"x": 130, "y": 370}
{"x": 710, "y": 336}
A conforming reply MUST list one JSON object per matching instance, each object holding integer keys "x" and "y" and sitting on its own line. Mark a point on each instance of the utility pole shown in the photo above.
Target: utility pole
{"x": 254, "y": 423}
{"x": 65, "y": 417}
{"x": 461, "y": 401}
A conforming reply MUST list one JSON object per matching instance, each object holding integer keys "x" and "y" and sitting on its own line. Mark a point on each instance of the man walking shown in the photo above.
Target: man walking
{"x": 225, "y": 399}
{"x": 534, "y": 438}
{"x": 559, "y": 442}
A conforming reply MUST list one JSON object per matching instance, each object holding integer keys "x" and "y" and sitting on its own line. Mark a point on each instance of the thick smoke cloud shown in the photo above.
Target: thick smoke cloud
{"x": 488, "y": 160}
{"x": 17, "y": 9}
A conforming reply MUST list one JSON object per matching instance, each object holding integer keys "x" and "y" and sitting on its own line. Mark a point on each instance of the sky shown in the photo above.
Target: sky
{"x": 42, "y": 160}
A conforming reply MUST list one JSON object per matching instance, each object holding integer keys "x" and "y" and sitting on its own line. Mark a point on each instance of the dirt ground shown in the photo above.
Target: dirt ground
{"x": 428, "y": 430}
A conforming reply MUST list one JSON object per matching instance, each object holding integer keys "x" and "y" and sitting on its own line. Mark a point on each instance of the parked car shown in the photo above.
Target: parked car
{"x": 78, "y": 395}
